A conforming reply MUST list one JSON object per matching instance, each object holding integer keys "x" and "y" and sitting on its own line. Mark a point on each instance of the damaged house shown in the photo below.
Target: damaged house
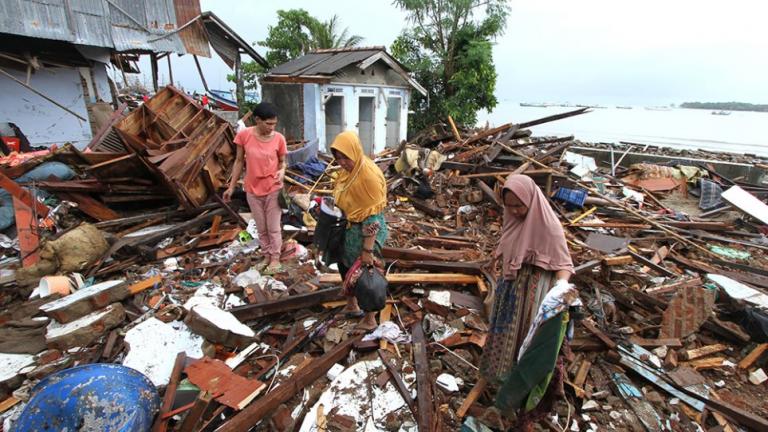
{"x": 326, "y": 92}
{"x": 56, "y": 55}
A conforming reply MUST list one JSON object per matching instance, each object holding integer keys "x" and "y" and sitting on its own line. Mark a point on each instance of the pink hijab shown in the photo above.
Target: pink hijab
{"x": 538, "y": 239}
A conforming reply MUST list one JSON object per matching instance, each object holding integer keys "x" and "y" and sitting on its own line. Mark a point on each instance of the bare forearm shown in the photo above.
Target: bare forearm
{"x": 236, "y": 171}
{"x": 368, "y": 242}
{"x": 563, "y": 274}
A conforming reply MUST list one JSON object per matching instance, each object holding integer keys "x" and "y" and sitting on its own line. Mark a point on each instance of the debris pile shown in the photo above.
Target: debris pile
{"x": 670, "y": 263}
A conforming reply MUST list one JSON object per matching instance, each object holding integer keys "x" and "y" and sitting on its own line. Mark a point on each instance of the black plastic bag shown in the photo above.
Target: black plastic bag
{"x": 329, "y": 236}
{"x": 371, "y": 289}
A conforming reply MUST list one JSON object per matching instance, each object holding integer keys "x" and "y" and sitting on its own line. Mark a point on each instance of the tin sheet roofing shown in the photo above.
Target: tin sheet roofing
{"x": 125, "y": 25}
{"x": 322, "y": 63}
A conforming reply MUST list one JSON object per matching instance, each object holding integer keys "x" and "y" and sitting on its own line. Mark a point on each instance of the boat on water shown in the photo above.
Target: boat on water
{"x": 623, "y": 107}
{"x": 226, "y": 100}
{"x": 721, "y": 112}
{"x": 658, "y": 108}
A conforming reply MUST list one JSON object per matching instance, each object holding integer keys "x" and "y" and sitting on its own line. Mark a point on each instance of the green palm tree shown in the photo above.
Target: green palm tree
{"x": 326, "y": 35}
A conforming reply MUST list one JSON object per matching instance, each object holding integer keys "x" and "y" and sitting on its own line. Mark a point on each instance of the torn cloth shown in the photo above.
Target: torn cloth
{"x": 389, "y": 331}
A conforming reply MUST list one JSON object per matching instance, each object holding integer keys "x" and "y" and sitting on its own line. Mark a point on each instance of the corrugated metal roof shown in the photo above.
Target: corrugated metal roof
{"x": 322, "y": 63}
{"x": 298, "y": 64}
{"x": 33, "y": 18}
{"x": 330, "y": 62}
{"x": 124, "y": 25}
{"x": 193, "y": 36}
{"x": 226, "y": 42}
{"x": 91, "y": 19}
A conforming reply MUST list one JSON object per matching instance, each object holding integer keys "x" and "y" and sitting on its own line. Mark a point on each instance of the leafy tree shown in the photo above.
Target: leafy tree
{"x": 449, "y": 50}
{"x": 296, "y": 33}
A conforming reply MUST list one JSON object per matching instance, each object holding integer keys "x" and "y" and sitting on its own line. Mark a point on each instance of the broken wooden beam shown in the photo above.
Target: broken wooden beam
{"x": 423, "y": 380}
{"x": 254, "y": 311}
{"x": 399, "y": 384}
{"x": 424, "y": 207}
{"x": 752, "y": 357}
{"x": 441, "y": 266}
{"x": 267, "y": 404}
{"x": 412, "y": 278}
{"x": 161, "y": 424}
{"x": 392, "y": 253}
{"x": 589, "y": 325}
{"x": 703, "y": 351}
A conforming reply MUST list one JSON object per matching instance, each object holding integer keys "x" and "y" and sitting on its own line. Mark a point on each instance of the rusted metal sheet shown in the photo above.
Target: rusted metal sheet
{"x": 193, "y": 36}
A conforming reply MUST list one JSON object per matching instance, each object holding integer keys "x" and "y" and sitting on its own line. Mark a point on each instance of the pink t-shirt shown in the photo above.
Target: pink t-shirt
{"x": 262, "y": 161}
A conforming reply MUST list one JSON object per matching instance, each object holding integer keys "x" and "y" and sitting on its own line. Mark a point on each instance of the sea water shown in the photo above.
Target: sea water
{"x": 740, "y": 132}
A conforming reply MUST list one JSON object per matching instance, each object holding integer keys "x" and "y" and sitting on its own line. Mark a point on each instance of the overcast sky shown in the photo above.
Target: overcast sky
{"x": 650, "y": 52}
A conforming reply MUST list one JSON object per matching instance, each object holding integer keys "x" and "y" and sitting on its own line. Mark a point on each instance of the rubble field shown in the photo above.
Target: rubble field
{"x": 124, "y": 254}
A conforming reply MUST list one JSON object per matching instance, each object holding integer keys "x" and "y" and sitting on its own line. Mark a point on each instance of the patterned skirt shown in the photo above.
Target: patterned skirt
{"x": 515, "y": 305}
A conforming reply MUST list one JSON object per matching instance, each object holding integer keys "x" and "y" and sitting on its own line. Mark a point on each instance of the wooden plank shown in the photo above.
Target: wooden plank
{"x": 90, "y": 206}
{"x": 423, "y": 379}
{"x": 658, "y": 257}
{"x": 420, "y": 255}
{"x": 299, "y": 301}
{"x": 424, "y": 207}
{"x": 707, "y": 363}
{"x": 618, "y": 260}
{"x": 616, "y": 225}
{"x": 399, "y": 384}
{"x": 144, "y": 284}
{"x": 474, "y": 268}
{"x": 669, "y": 288}
{"x": 195, "y": 415}
{"x": 267, "y": 404}
{"x": 170, "y": 393}
{"x": 482, "y": 288}
{"x": 581, "y": 374}
{"x": 755, "y": 354}
{"x": 643, "y": 260}
{"x": 8, "y": 403}
{"x": 589, "y": 325}
{"x": 384, "y": 315}
{"x": 703, "y": 351}
{"x": 412, "y": 278}
{"x": 473, "y": 395}
{"x": 654, "y": 343}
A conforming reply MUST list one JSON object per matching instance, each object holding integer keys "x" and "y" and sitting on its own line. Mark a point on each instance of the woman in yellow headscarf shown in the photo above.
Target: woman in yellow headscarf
{"x": 361, "y": 193}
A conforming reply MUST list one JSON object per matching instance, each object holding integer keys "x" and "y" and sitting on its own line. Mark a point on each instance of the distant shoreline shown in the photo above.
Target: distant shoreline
{"x": 726, "y": 106}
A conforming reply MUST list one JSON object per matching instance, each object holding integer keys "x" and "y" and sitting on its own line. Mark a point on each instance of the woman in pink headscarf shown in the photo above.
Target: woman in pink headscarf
{"x": 534, "y": 258}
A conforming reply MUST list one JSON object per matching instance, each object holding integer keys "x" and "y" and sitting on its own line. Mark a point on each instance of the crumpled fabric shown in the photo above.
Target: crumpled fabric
{"x": 389, "y": 331}
{"x": 41, "y": 172}
{"x": 311, "y": 168}
{"x": 558, "y": 299}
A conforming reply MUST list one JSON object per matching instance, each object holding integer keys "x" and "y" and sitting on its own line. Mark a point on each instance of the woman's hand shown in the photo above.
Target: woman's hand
{"x": 366, "y": 258}
{"x": 227, "y": 197}
{"x": 280, "y": 175}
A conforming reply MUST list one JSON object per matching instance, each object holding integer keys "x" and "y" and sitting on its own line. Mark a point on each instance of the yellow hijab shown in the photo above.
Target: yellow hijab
{"x": 362, "y": 192}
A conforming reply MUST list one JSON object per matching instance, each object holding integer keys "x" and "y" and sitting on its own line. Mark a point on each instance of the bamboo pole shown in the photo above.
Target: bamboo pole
{"x": 616, "y": 203}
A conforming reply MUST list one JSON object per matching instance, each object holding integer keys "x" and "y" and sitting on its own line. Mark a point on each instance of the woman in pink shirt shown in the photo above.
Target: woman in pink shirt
{"x": 263, "y": 150}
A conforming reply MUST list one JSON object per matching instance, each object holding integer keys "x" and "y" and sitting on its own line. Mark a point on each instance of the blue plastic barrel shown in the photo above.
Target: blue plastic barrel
{"x": 571, "y": 197}
{"x": 95, "y": 397}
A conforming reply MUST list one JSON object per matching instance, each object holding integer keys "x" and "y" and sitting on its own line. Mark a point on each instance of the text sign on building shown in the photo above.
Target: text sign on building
{"x": 368, "y": 91}
{"x": 334, "y": 90}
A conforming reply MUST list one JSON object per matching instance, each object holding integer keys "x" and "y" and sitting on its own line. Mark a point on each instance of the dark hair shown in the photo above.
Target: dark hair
{"x": 264, "y": 111}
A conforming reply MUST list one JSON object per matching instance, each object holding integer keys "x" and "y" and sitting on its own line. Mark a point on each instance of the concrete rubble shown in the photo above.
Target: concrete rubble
{"x": 674, "y": 334}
